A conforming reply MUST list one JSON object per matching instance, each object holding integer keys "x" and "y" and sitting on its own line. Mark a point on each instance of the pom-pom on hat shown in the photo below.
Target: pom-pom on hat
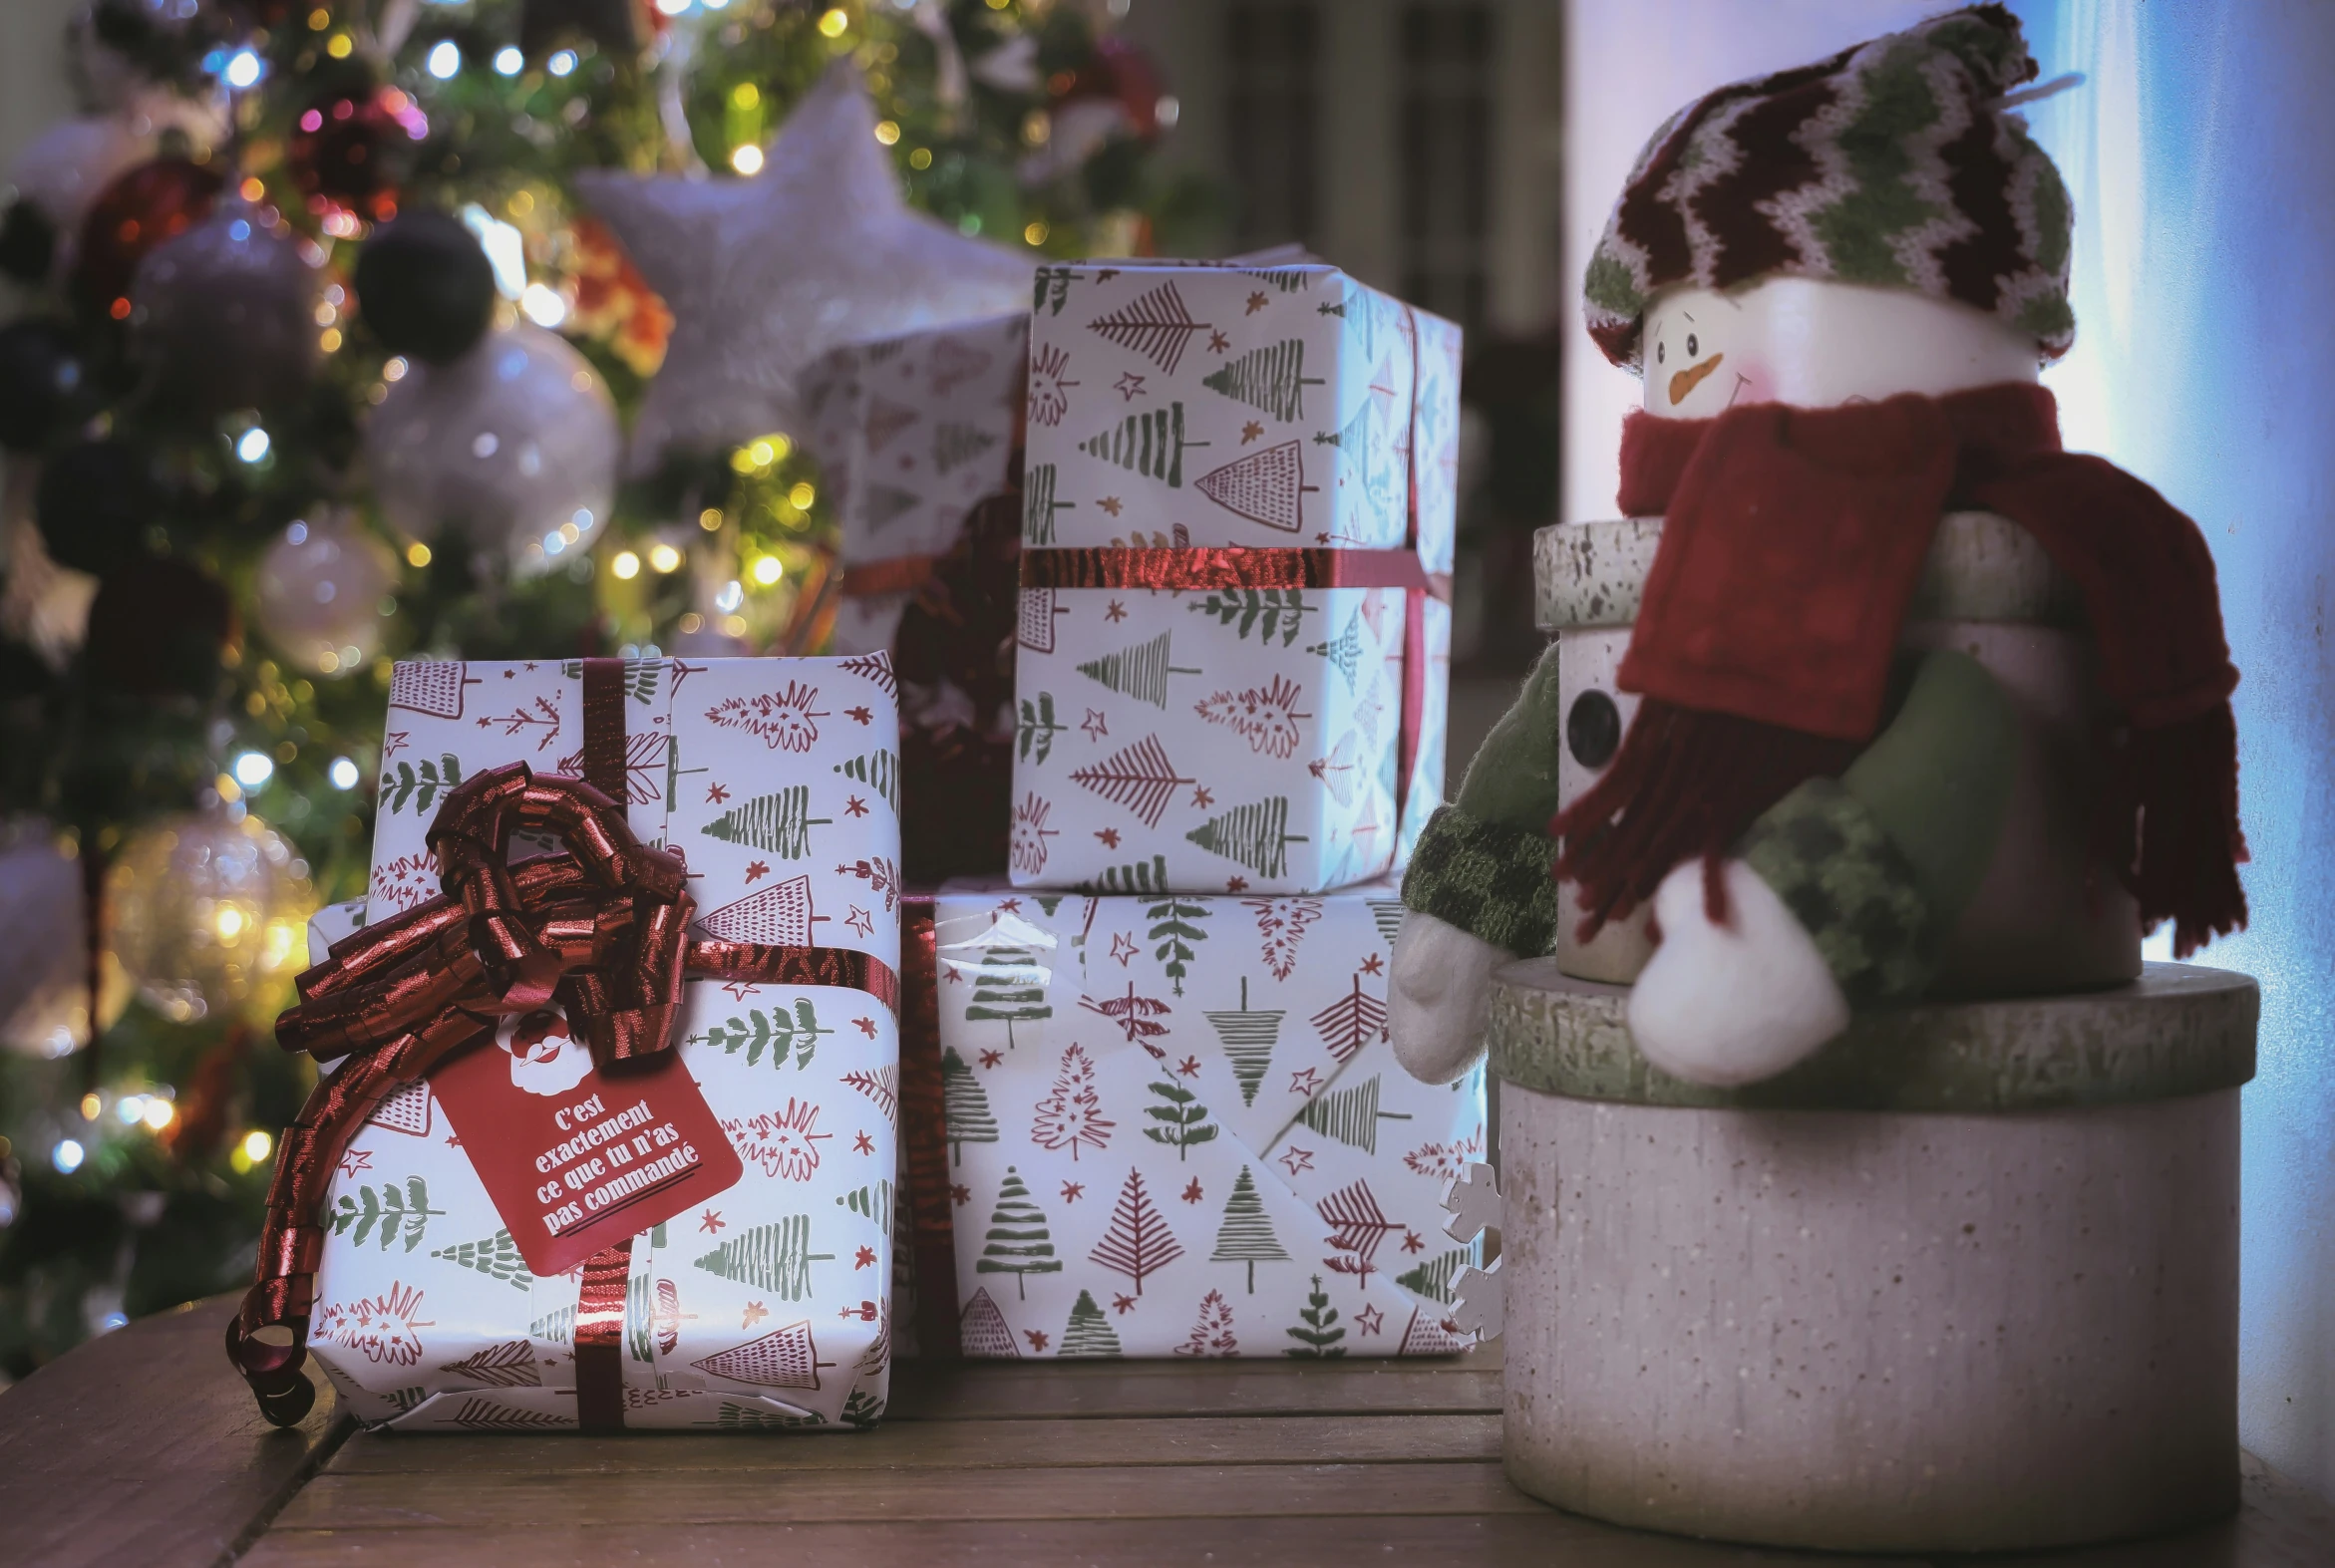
{"x": 1895, "y": 162}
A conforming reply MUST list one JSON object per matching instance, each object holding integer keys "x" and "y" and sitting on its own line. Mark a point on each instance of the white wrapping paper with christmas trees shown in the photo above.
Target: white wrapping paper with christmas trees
{"x": 1230, "y": 738}
{"x": 768, "y": 1304}
{"x": 910, "y": 432}
{"x": 1176, "y": 1127}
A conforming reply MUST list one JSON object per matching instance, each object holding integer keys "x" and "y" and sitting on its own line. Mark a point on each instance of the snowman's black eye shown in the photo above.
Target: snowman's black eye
{"x": 1692, "y": 348}
{"x": 1659, "y": 355}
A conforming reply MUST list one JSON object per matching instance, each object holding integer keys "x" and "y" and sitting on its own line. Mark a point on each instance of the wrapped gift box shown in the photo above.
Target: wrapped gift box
{"x": 766, "y": 1304}
{"x": 1174, "y": 1127}
{"x": 1237, "y": 515}
{"x": 913, "y": 435}
{"x": 910, "y": 432}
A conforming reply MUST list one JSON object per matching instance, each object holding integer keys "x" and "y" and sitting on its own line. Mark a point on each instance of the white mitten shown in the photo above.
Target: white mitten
{"x": 1733, "y": 1004}
{"x": 1442, "y": 986}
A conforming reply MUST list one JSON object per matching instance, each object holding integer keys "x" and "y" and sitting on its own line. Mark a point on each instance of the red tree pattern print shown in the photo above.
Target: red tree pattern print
{"x": 1139, "y": 1242}
{"x": 781, "y": 1143}
{"x": 782, "y": 1358}
{"x": 1047, "y": 401}
{"x": 384, "y": 1327}
{"x": 1352, "y": 1022}
{"x": 777, "y": 917}
{"x": 1026, "y": 845}
{"x": 1446, "y": 1160}
{"x": 1071, "y": 1115}
{"x": 1358, "y": 1226}
{"x": 1138, "y": 1016}
{"x": 1139, "y": 777}
{"x": 1266, "y": 715}
{"x": 1211, "y": 1334}
{"x": 784, "y": 721}
{"x": 1266, "y": 487}
{"x": 1282, "y": 924}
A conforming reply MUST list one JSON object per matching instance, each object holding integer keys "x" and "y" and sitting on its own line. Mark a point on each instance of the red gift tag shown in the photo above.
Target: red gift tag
{"x": 574, "y": 1159}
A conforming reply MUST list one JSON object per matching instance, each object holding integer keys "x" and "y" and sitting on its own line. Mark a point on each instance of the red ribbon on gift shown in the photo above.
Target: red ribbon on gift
{"x": 601, "y": 930}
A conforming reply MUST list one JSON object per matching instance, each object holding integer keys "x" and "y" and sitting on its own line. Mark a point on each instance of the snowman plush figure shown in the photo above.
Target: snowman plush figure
{"x": 1838, "y": 283}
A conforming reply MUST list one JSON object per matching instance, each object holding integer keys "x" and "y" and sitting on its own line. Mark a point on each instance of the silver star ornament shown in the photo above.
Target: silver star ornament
{"x": 764, "y": 274}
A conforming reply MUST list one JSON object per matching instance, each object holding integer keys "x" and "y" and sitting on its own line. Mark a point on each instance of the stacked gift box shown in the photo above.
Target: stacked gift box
{"x": 1168, "y": 561}
{"x": 1150, "y": 1104}
{"x": 918, "y": 440}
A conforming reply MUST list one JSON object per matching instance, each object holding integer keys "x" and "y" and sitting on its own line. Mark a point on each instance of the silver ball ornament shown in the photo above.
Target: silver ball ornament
{"x": 513, "y": 447}
{"x": 225, "y": 314}
{"x": 318, "y": 593}
{"x": 210, "y": 915}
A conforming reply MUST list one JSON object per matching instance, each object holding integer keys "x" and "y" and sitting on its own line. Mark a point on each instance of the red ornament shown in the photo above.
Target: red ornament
{"x": 349, "y": 152}
{"x": 141, "y": 209}
{"x": 1119, "y": 72}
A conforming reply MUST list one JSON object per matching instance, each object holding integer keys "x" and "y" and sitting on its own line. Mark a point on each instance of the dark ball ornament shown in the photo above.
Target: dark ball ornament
{"x": 42, "y": 382}
{"x": 139, "y": 212}
{"x": 225, "y": 316}
{"x": 620, "y": 27}
{"x": 94, "y": 505}
{"x": 424, "y": 287}
{"x": 352, "y": 150}
{"x": 28, "y": 243}
{"x": 157, "y": 629}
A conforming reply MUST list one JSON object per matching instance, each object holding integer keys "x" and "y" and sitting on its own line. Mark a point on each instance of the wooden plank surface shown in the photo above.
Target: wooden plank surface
{"x": 143, "y": 1447}
{"x": 969, "y": 1446}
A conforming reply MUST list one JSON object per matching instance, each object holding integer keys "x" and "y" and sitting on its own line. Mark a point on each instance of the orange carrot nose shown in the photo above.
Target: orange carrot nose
{"x": 1689, "y": 379}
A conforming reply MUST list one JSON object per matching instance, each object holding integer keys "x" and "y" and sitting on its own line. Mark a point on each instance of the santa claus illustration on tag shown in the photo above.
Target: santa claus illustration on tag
{"x": 544, "y": 1060}
{"x": 576, "y": 1158}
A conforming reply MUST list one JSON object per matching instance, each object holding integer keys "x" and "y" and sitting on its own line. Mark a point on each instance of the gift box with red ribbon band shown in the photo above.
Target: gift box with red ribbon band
{"x": 919, "y": 441}
{"x": 606, "y": 1133}
{"x": 1174, "y": 1126}
{"x": 1235, "y": 624}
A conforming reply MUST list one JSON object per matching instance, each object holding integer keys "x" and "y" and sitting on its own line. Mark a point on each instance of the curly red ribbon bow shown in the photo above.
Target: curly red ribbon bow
{"x": 601, "y": 931}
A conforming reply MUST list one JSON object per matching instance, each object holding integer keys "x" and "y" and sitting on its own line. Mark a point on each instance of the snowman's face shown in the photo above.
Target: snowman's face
{"x": 1702, "y": 356}
{"x": 1817, "y": 344}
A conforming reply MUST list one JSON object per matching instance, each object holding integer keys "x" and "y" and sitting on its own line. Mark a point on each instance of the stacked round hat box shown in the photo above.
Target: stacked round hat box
{"x": 1863, "y": 1190}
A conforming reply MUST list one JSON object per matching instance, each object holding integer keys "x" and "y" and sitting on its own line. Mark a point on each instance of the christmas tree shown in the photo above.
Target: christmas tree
{"x": 1254, "y": 835}
{"x": 226, "y": 542}
{"x": 780, "y": 822}
{"x": 1088, "y": 1332}
{"x": 1009, "y": 987}
{"x": 1272, "y": 378}
{"x": 964, "y": 1104}
{"x": 233, "y": 409}
{"x": 1139, "y": 1241}
{"x": 1017, "y": 1242}
{"x": 1351, "y": 1115}
{"x": 1248, "y": 1036}
{"x": 1181, "y": 1121}
{"x": 1247, "y": 1234}
{"x": 774, "y": 1257}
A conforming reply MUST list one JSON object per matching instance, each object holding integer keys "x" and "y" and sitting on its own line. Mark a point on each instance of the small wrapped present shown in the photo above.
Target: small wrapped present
{"x": 1174, "y": 1127}
{"x": 1234, "y": 627}
{"x": 919, "y": 439}
{"x": 607, "y": 1137}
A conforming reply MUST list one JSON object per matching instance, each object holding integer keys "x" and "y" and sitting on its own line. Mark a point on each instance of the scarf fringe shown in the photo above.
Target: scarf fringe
{"x": 1686, "y": 784}
{"x": 2181, "y": 795}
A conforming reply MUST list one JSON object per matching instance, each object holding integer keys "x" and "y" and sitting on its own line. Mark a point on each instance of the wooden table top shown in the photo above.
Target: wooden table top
{"x": 143, "y": 1449}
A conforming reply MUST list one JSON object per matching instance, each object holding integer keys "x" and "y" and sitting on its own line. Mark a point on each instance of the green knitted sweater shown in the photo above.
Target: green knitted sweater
{"x": 1876, "y": 865}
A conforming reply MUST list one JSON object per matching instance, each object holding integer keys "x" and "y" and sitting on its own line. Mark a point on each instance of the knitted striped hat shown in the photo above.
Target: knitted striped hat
{"x": 1894, "y": 162}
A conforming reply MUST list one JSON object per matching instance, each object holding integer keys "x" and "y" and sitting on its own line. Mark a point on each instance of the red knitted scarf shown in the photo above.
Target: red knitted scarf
{"x": 1791, "y": 544}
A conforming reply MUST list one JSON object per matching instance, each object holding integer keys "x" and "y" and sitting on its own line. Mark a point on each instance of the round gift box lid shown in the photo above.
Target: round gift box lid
{"x": 1981, "y": 567}
{"x": 2180, "y": 1029}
